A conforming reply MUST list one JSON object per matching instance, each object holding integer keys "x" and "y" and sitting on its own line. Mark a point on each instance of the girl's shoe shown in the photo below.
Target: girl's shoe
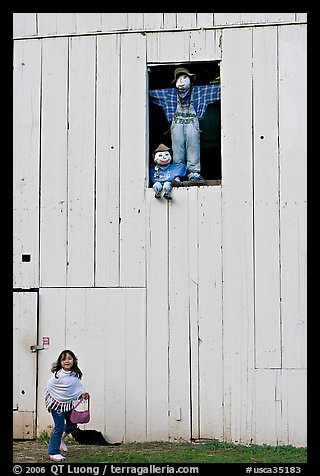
{"x": 63, "y": 446}
{"x": 57, "y": 457}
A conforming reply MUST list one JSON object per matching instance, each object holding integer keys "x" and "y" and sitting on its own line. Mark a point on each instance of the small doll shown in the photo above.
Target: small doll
{"x": 163, "y": 172}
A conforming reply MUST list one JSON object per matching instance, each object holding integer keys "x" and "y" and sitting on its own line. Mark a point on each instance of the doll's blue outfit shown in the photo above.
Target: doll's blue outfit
{"x": 162, "y": 176}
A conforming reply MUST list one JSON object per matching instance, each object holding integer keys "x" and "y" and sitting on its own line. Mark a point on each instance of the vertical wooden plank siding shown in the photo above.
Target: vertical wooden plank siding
{"x": 115, "y": 378}
{"x": 93, "y": 355}
{"x": 266, "y": 199}
{"x": 135, "y": 338}
{"x": 266, "y": 17}
{"x": 81, "y": 161}
{"x": 157, "y": 292}
{"x": 66, "y": 23}
{"x": 205, "y": 20}
{"x": 52, "y": 323}
{"x": 24, "y": 24}
{"x": 179, "y": 317}
{"x": 301, "y": 16}
{"x": 25, "y": 335}
{"x": 114, "y": 21}
{"x": 153, "y": 21}
{"x": 26, "y": 129}
{"x": 293, "y": 192}
{"x": 133, "y": 165}
{"x": 209, "y": 344}
{"x": 170, "y": 20}
{"x": 135, "y": 21}
{"x": 192, "y": 297}
{"x": 110, "y": 343}
{"x": 162, "y": 48}
{"x": 226, "y": 18}
{"x": 189, "y": 316}
{"x": 107, "y": 232}
{"x": 54, "y": 123}
{"x": 186, "y": 20}
{"x": 88, "y": 22}
{"x": 205, "y": 45}
{"x": 47, "y": 24}
{"x": 269, "y": 424}
{"x": 295, "y": 406}
{"x": 237, "y": 232}
{"x": 24, "y": 364}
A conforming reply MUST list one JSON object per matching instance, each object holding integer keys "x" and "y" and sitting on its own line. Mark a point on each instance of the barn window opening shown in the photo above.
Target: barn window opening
{"x": 26, "y": 258}
{"x": 162, "y": 77}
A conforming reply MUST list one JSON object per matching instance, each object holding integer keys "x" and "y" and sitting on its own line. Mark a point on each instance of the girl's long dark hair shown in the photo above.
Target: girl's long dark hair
{"x": 56, "y": 366}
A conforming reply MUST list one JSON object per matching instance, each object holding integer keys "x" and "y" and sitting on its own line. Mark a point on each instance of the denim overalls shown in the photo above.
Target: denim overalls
{"x": 185, "y": 135}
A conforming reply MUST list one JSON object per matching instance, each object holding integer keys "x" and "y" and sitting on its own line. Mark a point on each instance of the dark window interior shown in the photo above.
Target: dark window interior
{"x": 161, "y": 76}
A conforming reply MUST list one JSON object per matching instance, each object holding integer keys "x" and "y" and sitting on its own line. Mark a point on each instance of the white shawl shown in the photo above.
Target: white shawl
{"x": 63, "y": 391}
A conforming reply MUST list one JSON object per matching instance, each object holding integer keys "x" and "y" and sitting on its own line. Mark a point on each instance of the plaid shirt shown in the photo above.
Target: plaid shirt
{"x": 202, "y": 96}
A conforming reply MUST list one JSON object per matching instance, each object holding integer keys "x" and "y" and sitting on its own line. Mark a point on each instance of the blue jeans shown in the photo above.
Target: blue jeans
{"x": 62, "y": 424}
{"x": 185, "y": 138}
{"x": 166, "y": 186}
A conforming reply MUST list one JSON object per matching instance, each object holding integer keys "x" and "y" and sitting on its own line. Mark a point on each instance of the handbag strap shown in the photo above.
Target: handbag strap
{"x": 81, "y": 400}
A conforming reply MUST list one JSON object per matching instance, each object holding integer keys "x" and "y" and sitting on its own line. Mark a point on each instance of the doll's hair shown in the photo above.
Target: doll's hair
{"x": 56, "y": 366}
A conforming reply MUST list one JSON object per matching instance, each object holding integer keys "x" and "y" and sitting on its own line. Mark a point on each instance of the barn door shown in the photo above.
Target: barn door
{"x": 24, "y": 363}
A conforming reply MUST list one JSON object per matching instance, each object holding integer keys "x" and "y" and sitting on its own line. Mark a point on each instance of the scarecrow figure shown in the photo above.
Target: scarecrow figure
{"x": 184, "y": 105}
{"x": 163, "y": 172}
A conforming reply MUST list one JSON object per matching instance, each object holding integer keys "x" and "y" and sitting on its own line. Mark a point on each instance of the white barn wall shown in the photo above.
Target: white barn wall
{"x": 189, "y": 318}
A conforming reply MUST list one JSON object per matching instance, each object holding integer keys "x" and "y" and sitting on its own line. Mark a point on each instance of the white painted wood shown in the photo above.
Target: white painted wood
{"x": 266, "y": 17}
{"x": 205, "y": 45}
{"x": 88, "y": 22}
{"x": 157, "y": 249}
{"x": 47, "y": 24}
{"x": 26, "y": 134}
{"x": 293, "y": 195}
{"x": 24, "y": 364}
{"x": 270, "y": 426}
{"x": 210, "y": 350}
{"x": 266, "y": 199}
{"x": 136, "y": 408}
{"x": 114, "y": 21}
{"x": 81, "y": 161}
{"x": 205, "y": 20}
{"x": 161, "y": 48}
{"x": 254, "y": 18}
{"x": 24, "y": 24}
{"x": 107, "y": 231}
{"x": 135, "y": 21}
{"x": 66, "y": 23}
{"x": 56, "y": 23}
{"x": 237, "y": 232}
{"x": 186, "y": 20}
{"x": 281, "y": 407}
{"x": 301, "y": 17}
{"x": 179, "y": 317}
{"x": 133, "y": 161}
{"x": 295, "y": 405}
{"x": 110, "y": 342}
{"x": 153, "y": 21}
{"x": 54, "y": 156}
{"x": 192, "y": 297}
{"x": 226, "y": 18}
{"x": 52, "y": 323}
{"x": 168, "y": 339}
{"x": 115, "y": 378}
{"x": 170, "y": 20}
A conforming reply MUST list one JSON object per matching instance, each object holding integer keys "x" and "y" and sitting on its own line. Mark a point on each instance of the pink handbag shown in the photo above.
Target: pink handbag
{"x": 77, "y": 416}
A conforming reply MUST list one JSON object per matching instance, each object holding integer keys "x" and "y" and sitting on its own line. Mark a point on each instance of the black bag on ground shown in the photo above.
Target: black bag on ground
{"x": 91, "y": 437}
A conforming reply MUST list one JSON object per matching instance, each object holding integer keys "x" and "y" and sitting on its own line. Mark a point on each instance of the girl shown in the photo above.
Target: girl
{"x": 62, "y": 392}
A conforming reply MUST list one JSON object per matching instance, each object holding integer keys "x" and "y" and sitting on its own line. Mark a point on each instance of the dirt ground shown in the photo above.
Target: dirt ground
{"x": 33, "y": 451}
